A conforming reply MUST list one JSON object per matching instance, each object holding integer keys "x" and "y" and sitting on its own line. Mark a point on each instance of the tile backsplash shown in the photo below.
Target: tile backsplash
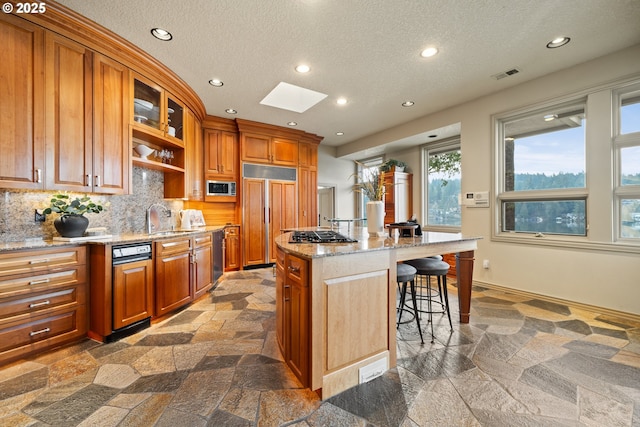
{"x": 122, "y": 214}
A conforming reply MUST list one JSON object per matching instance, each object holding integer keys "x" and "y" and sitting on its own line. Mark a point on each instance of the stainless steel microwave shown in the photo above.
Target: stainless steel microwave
{"x": 221, "y": 188}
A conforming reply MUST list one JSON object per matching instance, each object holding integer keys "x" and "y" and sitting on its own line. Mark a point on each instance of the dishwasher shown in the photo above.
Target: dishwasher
{"x": 132, "y": 288}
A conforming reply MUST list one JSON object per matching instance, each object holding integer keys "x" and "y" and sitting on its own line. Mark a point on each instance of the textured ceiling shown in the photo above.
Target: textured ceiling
{"x": 364, "y": 50}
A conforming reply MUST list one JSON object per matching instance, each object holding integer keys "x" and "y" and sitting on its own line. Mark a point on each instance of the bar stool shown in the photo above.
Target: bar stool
{"x": 406, "y": 274}
{"x": 428, "y": 267}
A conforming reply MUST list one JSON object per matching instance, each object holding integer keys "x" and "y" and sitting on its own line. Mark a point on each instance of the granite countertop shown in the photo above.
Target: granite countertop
{"x": 366, "y": 243}
{"x": 115, "y": 239}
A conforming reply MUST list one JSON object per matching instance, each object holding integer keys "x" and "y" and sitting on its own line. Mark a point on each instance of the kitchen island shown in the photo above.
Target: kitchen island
{"x": 336, "y": 303}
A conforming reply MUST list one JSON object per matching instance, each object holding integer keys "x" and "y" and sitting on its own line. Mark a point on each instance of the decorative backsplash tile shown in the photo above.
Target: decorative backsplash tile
{"x": 122, "y": 214}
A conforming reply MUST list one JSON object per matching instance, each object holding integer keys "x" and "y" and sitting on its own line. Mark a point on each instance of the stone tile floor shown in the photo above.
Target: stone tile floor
{"x": 520, "y": 362}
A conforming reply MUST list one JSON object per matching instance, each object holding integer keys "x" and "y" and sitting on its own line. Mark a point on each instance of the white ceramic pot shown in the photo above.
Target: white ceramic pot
{"x": 375, "y": 218}
{"x": 143, "y": 151}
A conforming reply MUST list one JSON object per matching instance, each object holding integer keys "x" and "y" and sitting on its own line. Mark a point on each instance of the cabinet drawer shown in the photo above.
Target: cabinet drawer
{"x": 29, "y": 334}
{"x": 203, "y": 239}
{"x": 20, "y": 285}
{"x": 172, "y": 246}
{"x": 297, "y": 271}
{"x": 39, "y": 260}
{"x": 280, "y": 258}
{"x": 26, "y": 306}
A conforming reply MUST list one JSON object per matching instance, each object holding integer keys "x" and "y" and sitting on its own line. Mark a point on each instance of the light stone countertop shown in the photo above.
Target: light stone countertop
{"x": 366, "y": 243}
{"x": 115, "y": 239}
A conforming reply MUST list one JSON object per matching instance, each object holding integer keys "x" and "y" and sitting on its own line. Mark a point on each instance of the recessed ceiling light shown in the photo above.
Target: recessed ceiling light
{"x": 231, "y": 111}
{"x": 339, "y": 133}
{"x": 292, "y": 123}
{"x": 341, "y": 101}
{"x": 557, "y": 42}
{"x": 550, "y": 117}
{"x": 408, "y": 104}
{"x": 429, "y": 52}
{"x": 216, "y": 83}
{"x": 161, "y": 34}
{"x": 302, "y": 68}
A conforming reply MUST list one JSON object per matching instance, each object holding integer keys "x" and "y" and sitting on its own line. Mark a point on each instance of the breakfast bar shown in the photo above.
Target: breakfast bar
{"x": 336, "y": 302}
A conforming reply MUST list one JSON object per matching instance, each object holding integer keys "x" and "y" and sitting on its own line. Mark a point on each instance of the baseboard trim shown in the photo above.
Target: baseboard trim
{"x": 587, "y": 307}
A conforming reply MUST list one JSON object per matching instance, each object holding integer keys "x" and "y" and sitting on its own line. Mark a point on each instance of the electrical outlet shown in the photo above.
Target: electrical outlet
{"x": 485, "y": 264}
{"x": 39, "y": 216}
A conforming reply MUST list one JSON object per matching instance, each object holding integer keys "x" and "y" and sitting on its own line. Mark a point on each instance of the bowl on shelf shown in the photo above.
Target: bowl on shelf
{"x": 143, "y": 151}
{"x": 139, "y": 118}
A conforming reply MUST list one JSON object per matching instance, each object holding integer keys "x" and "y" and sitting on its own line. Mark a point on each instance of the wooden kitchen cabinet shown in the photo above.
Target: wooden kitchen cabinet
{"x": 202, "y": 260}
{"x": 22, "y": 118}
{"x": 87, "y": 136}
{"x": 398, "y": 206}
{"x": 173, "y": 274}
{"x": 68, "y": 115}
{"x": 292, "y": 321}
{"x": 221, "y": 155}
{"x": 111, "y": 140}
{"x": 156, "y": 112}
{"x": 43, "y": 299}
{"x": 258, "y": 148}
{"x": 232, "y": 260}
{"x": 184, "y": 271}
{"x": 132, "y": 292}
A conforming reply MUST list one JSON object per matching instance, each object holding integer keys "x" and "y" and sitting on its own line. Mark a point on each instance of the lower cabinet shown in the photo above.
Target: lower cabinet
{"x": 43, "y": 300}
{"x": 132, "y": 293}
{"x": 184, "y": 271}
{"x": 292, "y": 313}
{"x": 232, "y": 260}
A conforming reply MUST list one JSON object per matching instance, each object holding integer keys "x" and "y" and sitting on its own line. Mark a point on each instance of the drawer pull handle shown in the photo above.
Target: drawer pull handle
{"x": 39, "y": 304}
{"x": 39, "y": 261}
{"x": 41, "y": 331}
{"x": 294, "y": 269}
{"x": 39, "y": 282}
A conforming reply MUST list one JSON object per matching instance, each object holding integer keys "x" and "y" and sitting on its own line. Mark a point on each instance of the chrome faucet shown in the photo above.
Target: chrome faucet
{"x": 153, "y": 217}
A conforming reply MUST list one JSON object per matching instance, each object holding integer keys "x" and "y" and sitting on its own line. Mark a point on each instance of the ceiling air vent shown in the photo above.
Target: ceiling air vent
{"x": 507, "y": 73}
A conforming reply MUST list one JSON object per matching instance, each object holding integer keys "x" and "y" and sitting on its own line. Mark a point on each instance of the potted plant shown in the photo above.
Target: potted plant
{"x": 71, "y": 222}
{"x": 370, "y": 182}
{"x": 393, "y": 165}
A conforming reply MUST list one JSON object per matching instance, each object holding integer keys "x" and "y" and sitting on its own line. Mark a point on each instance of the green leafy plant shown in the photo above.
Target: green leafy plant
{"x": 389, "y": 164}
{"x": 65, "y": 205}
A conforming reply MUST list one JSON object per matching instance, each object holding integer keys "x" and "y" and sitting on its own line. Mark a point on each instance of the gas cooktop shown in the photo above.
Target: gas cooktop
{"x": 327, "y": 236}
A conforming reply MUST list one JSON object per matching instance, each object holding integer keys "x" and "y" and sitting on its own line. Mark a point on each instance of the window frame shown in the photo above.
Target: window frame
{"x": 443, "y": 146}
{"x": 619, "y": 142}
{"x": 602, "y": 192}
{"x": 359, "y": 197}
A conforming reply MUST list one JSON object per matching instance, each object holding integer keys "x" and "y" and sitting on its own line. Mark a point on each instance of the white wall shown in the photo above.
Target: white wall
{"x": 338, "y": 173}
{"x": 596, "y": 277}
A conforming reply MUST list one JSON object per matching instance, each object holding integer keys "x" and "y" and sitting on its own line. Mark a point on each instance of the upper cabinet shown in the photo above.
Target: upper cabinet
{"x": 76, "y": 100}
{"x": 21, "y": 107}
{"x": 267, "y": 149}
{"x": 111, "y": 139}
{"x": 221, "y": 155}
{"x": 156, "y": 112}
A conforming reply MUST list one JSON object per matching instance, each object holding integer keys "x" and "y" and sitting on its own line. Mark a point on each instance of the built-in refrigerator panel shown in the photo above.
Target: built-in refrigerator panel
{"x": 269, "y": 206}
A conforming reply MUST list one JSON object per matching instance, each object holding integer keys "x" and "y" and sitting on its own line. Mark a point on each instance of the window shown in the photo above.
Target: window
{"x": 364, "y": 169}
{"x": 443, "y": 176}
{"x": 568, "y": 171}
{"x": 627, "y": 146}
{"x": 543, "y": 171}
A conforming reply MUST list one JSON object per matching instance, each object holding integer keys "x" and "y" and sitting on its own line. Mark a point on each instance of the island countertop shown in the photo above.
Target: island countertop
{"x": 367, "y": 244}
